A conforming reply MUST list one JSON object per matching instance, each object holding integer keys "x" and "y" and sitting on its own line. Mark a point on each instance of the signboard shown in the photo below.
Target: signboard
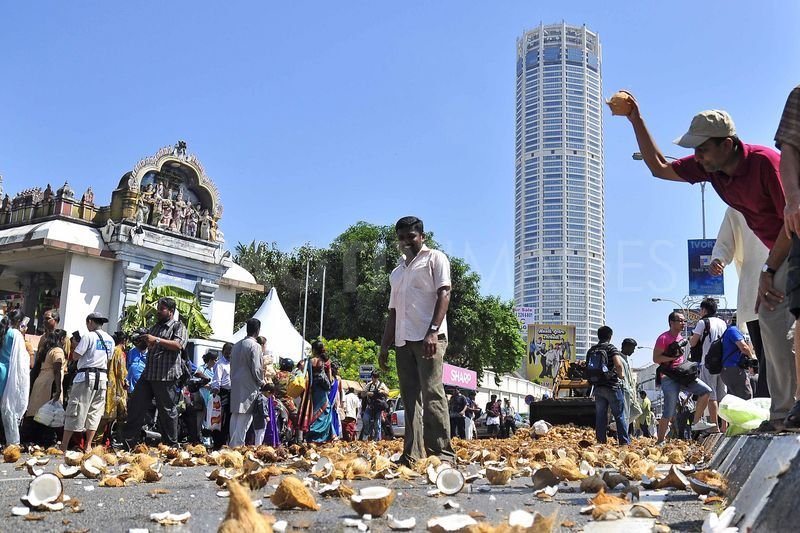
{"x": 548, "y": 344}
{"x": 463, "y": 378}
{"x": 693, "y": 317}
{"x": 525, "y": 317}
{"x": 365, "y": 371}
{"x": 701, "y": 282}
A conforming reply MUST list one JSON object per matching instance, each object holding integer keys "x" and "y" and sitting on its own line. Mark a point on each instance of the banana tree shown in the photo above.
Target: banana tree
{"x": 143, "y": 314}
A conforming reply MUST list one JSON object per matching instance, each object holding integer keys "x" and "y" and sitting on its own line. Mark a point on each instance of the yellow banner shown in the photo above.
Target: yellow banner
{"x": 548, "y": 344}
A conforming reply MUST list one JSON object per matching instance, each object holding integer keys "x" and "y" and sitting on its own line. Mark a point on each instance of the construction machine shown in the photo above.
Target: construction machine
{"x": 571, "y": 401}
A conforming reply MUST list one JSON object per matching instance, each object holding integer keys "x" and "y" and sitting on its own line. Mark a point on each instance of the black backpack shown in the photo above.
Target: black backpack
{"x": 599, "y": 370}
{"x": 713, "y": 361}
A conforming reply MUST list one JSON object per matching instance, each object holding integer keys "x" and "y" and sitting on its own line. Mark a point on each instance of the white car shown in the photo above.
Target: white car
{"x": 398, "y": 418}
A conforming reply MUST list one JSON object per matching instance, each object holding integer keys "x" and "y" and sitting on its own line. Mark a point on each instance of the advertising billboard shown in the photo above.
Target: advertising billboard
{"x": 701, "y": 282}
{"x": 548, "y": 344}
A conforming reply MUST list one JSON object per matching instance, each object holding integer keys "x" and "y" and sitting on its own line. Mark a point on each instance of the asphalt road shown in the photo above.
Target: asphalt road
{"x": 122, "y": 509}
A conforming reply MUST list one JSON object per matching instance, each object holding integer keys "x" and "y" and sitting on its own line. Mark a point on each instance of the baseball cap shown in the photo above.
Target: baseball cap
{"x": 704, "y": 126}
{"x": 97, "y": 317}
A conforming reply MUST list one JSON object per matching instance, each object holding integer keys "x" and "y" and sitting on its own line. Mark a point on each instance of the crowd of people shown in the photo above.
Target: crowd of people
{"x": 118, "y": 390}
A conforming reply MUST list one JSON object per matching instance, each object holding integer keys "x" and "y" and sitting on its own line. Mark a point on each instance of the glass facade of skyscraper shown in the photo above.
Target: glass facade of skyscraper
{"x": 559, "y": 203}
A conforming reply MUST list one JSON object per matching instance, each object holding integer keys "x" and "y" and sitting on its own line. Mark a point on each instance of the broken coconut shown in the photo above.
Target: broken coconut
{"x": 170, "y": 519}
{"x": 531, "y": 522}
{"x": 543, "y": 477}
{"x": 73, "y": 458}
{"x": 450, "y": 481}
{"x": 12, "y": 453}
{"x": 242, "y": 514}
{"x": 373, "y": 501}
{"x": 499, "y": 476}
{"x": 621, "y": 103}
{"x": 293, "y": 493}
{"x": 44, "y": 489}
{"x": 67, "y": 472}
{"x": 93, "y": 466}
{"x": 401, "y": 525}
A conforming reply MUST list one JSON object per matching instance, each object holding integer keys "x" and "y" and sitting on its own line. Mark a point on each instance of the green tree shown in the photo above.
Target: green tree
{"x": 143, "y": 314}
{"x": 349, "y": 354}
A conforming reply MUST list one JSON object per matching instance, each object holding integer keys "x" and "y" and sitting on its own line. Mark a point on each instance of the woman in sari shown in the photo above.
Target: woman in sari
{"x": 316, "y": 419}
{"x": 335, "y": 401}
{"x": 47, "y": 373}
{"x": 116, "y": 408}
{"x": 15, "y": 375}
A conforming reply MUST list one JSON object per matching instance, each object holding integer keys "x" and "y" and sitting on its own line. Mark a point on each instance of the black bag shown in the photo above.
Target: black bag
{"x": 598, "y": 368}
{"x": 713, "y": 361}
{"x": 685, "y": 373}
{"x": 696, "y": 352}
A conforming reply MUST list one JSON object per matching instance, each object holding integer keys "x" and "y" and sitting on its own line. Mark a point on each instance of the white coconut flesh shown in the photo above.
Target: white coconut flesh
{"x": 450, "y": 481}
{"x": 68, "y": 472}
{"x": 371, "y": 493}
{"x": 322, "y": 468}
{"x": 20, "y": 511}
{"x": 453, "y": 522}
{"x": 402, "y": 525}
{"x": 586, "y": 469}
{"x": 46, "y": 488}
{"x": 520, "y": 518}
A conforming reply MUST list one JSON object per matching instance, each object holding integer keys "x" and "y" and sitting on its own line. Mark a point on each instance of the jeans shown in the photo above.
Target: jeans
{"x": 372, "y": 427}
{"x": 670, "y": 389}
{"x": 606, "y": 397}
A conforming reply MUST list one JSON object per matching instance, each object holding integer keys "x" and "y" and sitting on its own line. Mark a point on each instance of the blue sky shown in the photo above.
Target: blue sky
{"x": 310, "y": 116}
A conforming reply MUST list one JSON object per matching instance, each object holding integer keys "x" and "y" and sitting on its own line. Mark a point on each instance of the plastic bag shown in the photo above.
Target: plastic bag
{"x": 50, "y": 414}
{"x": 540, "y": 428}
{"x": 214, "y": 414}
{"x": 743, "y": 415}
{"x": 296, "y": 386}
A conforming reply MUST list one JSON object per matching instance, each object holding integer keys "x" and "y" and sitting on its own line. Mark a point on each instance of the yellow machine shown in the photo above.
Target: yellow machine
{"x": 571, "y": 402}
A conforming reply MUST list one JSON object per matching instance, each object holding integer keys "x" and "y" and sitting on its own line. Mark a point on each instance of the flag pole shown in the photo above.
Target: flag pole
{"x": 322, "y": 307}
{"x": 305, "y": 309}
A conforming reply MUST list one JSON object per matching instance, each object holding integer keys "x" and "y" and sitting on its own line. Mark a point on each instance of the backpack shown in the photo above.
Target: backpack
{"x": 713, "y": 361}
{"x": 598, "y": 368}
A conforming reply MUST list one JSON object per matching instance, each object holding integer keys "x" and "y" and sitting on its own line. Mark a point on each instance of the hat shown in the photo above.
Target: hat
{"x": 97, "y": 317}
{"x": 705, "y": 125}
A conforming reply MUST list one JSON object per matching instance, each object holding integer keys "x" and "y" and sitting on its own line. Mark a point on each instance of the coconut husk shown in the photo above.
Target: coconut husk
{"x": 566, "y": 468}
{"x": 293, "y": 493}
{"x": 111, "y": 481}
{"x": 499, "y": 476}
{"x": 544, "y": 477}
{"x": 613, "y": 480}
{"x": 609, "y": 511}
{"x": 242, "y": 514}
{"x": 256, "y": 480}
{"x": 52, "y": 450}
{"x": 143, "y": 460}
{"x": 230, "y": 459}
{"x": 674, "y": 479}
{"x": 12, "y": 453}
{"x": 676, "y": 457}
{"x": 607, "y": 499}
{"x": 621, "y": 103}
{"x": 593, "y": 484}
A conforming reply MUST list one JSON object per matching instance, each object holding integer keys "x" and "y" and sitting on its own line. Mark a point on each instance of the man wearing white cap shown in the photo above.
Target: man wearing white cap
{"x": 747, "y": 178}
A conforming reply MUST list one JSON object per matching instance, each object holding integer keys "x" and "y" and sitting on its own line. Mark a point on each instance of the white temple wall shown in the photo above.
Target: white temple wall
{"x": 85, "y": 288}
{"x": 222, "y": 312}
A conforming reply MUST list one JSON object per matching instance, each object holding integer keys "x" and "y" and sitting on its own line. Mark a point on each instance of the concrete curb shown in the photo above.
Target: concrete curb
{"x": 755, "y": 467}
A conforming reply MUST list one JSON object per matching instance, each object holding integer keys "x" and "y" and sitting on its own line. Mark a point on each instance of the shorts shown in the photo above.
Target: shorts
{"x": 86, "y": 405}
{"x": 718, "y": 388}
{"x": 671, "y": 389}
{"x": 792, "y": 288}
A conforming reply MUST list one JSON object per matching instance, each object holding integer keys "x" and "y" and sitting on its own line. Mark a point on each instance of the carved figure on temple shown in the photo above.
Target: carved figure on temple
{"x": 216, "y": 233}
{"x": 180, "y": 149}
{"x": 205, "y": 225}
{"x": 178, "y": 216}
{"x": 192, "y": 219}
{"x": 6, "y": 203}
{"x": 157, "y": 213}
{"x": 142, "y": 210}
{"x": 48, "y": 194}
{"x": 88, "y": 197}
{"x": 159, "y": 190}
{"x": 166, "y": 217}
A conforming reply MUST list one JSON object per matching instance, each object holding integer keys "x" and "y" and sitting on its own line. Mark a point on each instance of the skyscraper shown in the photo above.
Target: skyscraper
{"x": 559, "y": 252}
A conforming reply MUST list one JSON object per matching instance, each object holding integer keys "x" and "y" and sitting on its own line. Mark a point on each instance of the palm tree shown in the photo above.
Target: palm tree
{"x": 143, "y": 314}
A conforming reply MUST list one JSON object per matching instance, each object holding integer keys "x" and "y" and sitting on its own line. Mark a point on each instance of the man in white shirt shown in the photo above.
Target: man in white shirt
{"x": 417, "y": 326}
{"x": 87, "y": 397}
{"x": 736, "y": 243}
{"x": 716, "y": 328}
{"x": 352, "y": 404}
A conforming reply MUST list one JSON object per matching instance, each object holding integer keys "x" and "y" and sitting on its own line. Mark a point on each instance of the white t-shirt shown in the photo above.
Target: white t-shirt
{"x": 717, "y": 328}
{"x": 351, "y": 405}
{"x": 95, "y": 349}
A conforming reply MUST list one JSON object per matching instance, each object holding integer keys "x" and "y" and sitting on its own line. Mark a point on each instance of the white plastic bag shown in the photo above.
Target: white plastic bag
{"x": 540, "y": 428}
{"x": 50, "y": 414}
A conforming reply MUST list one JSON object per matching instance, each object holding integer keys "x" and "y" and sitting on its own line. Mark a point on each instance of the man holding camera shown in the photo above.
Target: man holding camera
{"x": 737, "y": 360}
{"x": 372, "y": 406}
{"x": 164, "y": 367}
{"x": 669, "y": 354}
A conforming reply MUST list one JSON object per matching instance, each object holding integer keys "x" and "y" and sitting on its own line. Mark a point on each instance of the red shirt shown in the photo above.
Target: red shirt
{"x": 664, "y": 340}
{"x": 755, "y": 189}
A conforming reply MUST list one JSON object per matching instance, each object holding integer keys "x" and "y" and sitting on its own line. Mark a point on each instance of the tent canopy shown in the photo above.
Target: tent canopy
{"x": 282, "y": 339}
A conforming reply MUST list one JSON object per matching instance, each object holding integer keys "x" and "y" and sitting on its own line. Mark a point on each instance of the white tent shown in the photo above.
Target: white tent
{"x": 282, "y": 339}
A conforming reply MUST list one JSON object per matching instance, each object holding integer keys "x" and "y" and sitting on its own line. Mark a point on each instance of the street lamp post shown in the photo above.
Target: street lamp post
{"x": 637, "y": 156}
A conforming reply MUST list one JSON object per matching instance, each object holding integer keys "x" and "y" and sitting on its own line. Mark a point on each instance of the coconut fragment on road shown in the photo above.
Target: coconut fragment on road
{"x": 46, "y": 488}
{"x": 374, "y": 501}
{"x": 20, "y": 511}
{"x": 450, "y": 481}
{"x": 401, "y": 525}
{"x": 454, "y": 523}
{"x": 170, "y": 519}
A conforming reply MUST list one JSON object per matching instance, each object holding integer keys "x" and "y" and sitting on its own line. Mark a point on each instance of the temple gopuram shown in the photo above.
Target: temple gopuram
{"x": 58, "y": 250}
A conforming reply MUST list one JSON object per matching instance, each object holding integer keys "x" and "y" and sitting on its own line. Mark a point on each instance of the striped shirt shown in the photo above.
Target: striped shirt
{"x": 164, "y": 364}
{"x": 789, "y": 128}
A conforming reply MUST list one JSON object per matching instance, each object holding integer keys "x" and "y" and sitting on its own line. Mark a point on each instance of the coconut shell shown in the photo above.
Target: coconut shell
{"x": 621, "y": 103}
{"x": 73, "y": 458}
{"x": 293, "y": 493}
{"x": 593, "y": 484}
{"x": 364, "y": 502}
{"x": 499, "y": 476}
{"x": 111, "y": 481}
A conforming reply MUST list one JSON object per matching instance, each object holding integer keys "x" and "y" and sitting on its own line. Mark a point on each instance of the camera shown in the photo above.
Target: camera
{"x": 676, "y": 348}
{"x": 747, "y": 363}
{"x": 137, "y": 334}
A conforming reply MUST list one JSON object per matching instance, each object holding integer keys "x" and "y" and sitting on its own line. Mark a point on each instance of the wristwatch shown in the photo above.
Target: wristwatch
{"x": 769, "y": 270}
{"x": 434, "y": 328}
{"x": 158, "y": 341}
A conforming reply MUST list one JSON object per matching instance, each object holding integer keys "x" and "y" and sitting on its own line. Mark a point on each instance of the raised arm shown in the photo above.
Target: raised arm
{"x": 652, "y": 156}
